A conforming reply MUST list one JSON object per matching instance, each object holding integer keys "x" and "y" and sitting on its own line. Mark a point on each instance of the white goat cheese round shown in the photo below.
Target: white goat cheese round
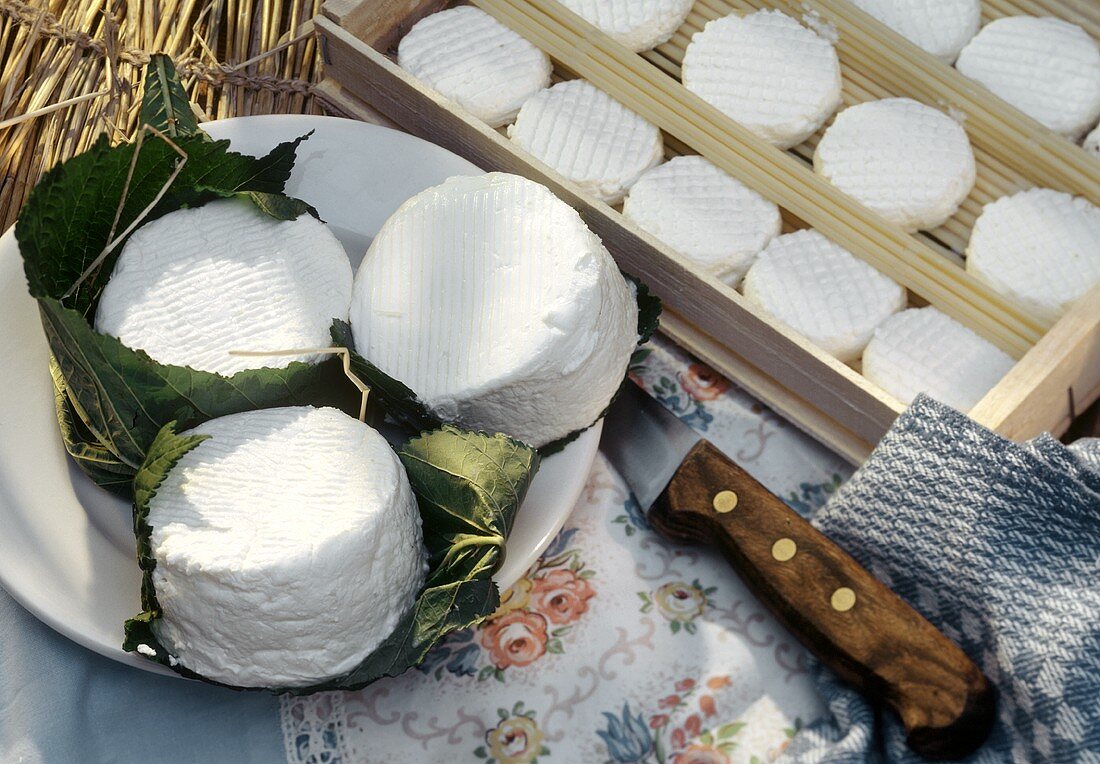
{"x": 924, "y": 350}
{"x": 287, "y": 545}
{"x": 704, "y": 214}
{"x": 589, "y": 137}
{"x": 1047, "y": 68}
{"x": 636, "y": 24}
{"x": 941, "y": 27}
{"x": 471, "y": 58}
{"x": 193, "y": 285}
{"x": 908, "y": 162}
{"x": 495, "y": 304}
{"x": 823, "y": 292}
{"x": 766, "y": 71}
{"x": 1040, "y": 247}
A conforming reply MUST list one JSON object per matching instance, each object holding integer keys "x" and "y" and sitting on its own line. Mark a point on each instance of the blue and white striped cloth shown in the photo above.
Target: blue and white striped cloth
{"x": 997, "y": 544}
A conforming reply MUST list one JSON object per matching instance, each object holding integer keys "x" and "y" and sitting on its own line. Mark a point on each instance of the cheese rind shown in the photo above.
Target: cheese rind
{"x": 471, "y": 58}
{"x": 1040, "y": 247}
{"x": 287, "y": 545}
{"x": 940, "y": 27}
{"x": 767, "y": 72}
{"x": 704, "y": 214}
{"x": 823, "y": 292}
{"x": 198, "y": 283}
{"x": 1047, "y": 68}
{"x": 908, "y": 162}
{"x": 589, "y": 137}
{"x": 924, "y": 350}
{"x": 636, "y": 24}
{"x": 492, "y": 300}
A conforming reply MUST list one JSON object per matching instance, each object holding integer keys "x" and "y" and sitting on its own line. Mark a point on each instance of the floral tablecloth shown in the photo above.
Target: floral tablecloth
{"x": 616, "y": 646}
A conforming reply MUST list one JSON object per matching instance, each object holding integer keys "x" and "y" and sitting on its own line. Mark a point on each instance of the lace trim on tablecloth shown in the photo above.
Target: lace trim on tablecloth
{"x": 314, "y": 728}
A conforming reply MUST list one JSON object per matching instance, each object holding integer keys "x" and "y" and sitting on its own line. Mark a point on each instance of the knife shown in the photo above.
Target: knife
{"x": 851, "y": 621}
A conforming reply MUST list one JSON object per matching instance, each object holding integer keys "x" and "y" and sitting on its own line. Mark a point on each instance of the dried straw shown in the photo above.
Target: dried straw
{"x": 71, "y": 70}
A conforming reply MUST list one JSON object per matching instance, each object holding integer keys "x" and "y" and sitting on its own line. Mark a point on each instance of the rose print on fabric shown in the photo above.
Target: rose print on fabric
{"x": 533, "y": 617}
{"x": 517, "y": 638}
{"x": 634, "y": 737}
{"x": 517, "y": 739}
{"x": 702, "y": 383}
{"x": 679, "y": 603}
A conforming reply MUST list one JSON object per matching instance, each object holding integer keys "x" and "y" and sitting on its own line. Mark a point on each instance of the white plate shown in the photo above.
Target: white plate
{"x": 66, "y": 546}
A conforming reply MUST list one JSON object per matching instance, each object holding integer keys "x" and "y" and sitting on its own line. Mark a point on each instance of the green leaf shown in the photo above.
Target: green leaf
{"x": 165, "y": 451}
{"x": 104, "y": 467}
{"x": 123, "y": 397}
{"x": 164, "y": 103}
{"x": 649, "y": 311}
{"x": 69, "y": 218}
{"x": 397, "y": 399}
{"x": 729, "y": 730}
{"x": 282, "y": 207}
{"x": 468, "y": 487}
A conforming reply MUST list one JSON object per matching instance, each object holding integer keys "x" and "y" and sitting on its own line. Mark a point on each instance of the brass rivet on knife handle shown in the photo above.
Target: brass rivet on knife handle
{"x": 784, "y": 549}
{"x": 724, "y": 501}
{"x": 857, "y": 627}
{"x": 843, "y": 600}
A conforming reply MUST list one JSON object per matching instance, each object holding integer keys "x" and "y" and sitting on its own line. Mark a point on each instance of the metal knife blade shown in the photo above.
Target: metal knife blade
{"x": 646, "y": 443}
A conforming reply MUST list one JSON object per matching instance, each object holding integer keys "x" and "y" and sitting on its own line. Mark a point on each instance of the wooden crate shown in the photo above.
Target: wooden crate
{"x": 1058, "y": 373}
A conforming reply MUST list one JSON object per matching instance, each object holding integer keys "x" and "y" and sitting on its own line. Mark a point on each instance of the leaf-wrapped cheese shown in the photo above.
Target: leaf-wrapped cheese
{"x": 115, "y": 398}
{"x": 467, "y": 486}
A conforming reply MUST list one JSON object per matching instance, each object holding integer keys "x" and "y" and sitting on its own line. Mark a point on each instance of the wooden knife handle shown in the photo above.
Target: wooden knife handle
{"x": 850, "y": 620}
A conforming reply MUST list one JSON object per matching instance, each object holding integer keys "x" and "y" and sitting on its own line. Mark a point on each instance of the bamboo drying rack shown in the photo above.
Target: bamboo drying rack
{"x": 1059, "y": 370}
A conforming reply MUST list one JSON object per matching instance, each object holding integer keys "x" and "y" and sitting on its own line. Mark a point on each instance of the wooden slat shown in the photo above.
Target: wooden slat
{"x": 1057, "y": 379}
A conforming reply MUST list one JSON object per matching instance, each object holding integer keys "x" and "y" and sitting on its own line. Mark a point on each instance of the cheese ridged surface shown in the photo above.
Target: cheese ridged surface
{"x": 767, "y": 72}
{"x": 197, "y": 283}
{"x": 941, "y": 27}
{"x": 1047, "y": 68}
{"x": 823, "y": 292}
{"x": 909, "y": 162}
{"x": 492, "y": 300}
{"x": 470, "y": 57}
{"x": 1091, "y": 143}
{"x": 589, "y": 137}
{"x": 923, "y": 350}
{"x": 288, "y": 545}
{"x": 704, "y": 214}
{"x": 1040, "y": 247}
{"x": 636, "y": 24}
